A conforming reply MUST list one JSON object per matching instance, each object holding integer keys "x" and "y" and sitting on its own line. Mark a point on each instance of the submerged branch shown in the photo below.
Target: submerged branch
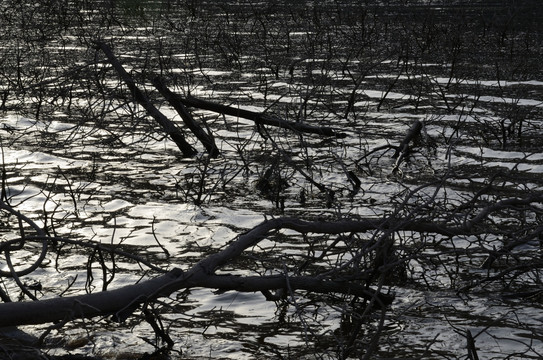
{"x": 122, "y": 302}
{"x": 309, "y": 283}
{"x": 167, "y": 125}
{"x": 176, "y": 101}
{"x": 260, "y": 118}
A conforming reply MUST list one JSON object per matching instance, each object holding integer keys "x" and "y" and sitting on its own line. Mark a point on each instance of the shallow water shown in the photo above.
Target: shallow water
{"x": 100, "y": 170}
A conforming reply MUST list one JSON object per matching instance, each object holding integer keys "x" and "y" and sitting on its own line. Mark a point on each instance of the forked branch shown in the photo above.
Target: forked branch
{"x": 123, "y": 301}
{"x": 168, "y": 126}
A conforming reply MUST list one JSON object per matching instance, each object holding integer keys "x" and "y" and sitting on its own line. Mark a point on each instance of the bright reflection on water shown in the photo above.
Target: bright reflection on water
{"x": 116, "y": 179}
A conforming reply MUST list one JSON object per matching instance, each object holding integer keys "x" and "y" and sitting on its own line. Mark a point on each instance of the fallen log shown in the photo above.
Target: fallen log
{"x": 120, "y": 303}
{"x": 123, "y": 301}
{"x": 168, "y": 126}
{"x": 175, "y": 101}
{"x": 82, "y": 306}
{"x": 259, "y": 118}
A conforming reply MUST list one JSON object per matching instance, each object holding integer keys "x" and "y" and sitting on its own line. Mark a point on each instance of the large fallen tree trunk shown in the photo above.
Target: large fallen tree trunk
{"x": 168, "y": 126}
{"x": 121, "y": 302}
{"x": 260, "y": 118}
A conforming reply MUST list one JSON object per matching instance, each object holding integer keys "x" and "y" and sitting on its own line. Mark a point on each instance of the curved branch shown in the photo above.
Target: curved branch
{"x": 121, "y": 302}
{"x": 7, "y": 246}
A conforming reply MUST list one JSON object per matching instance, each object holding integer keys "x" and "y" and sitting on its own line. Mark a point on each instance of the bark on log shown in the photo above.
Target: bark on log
{"x": 89, "y": 305}
{"x": 260, "y": 118}
{"x": 176, "y": 101}
{"x": 168, "y": 126}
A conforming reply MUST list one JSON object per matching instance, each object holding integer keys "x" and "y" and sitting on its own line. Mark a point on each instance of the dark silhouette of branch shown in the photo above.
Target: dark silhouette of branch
{"x": 260, "y": 118}
{"x": 122, "y": 302}
{"x": 169, "y": 127}
{"x": 175, "y": 101}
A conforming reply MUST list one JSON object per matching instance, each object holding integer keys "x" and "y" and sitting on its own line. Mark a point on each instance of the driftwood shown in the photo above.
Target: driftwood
{"x": 402, "y": 150}
{"x": 175, "y": 101}
{"x": 120, "y": 303}
{"x": 168, "y": 126}
{"x": 260, "y": 118}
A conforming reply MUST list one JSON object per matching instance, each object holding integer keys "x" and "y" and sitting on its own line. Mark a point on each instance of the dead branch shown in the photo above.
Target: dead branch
{"x": 402, "y": 150}
{"x": 175, "y": 100}
{"x": 260, "y": 118}
{"x": 472, "y": 350}
{"x": 322, "y": 188}
{"x": 309, "y": 283}
{"x": 122, "y": 302}
{"x": 7, "y": 246}
{"x": 168, "y": 126}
